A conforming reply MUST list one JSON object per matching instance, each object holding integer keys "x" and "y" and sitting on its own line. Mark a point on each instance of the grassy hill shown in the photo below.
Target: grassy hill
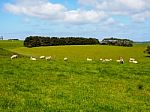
{"x": 76, "y": 85}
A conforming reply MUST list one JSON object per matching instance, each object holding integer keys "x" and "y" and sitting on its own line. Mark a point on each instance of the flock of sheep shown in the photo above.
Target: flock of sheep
{"x": 41, "y": 57}
{"x": 121, "y": 60}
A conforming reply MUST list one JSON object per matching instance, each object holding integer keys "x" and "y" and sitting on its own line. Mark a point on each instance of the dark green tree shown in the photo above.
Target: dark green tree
{"x": 117, "y": 42}
{"x": 36, "y": 41}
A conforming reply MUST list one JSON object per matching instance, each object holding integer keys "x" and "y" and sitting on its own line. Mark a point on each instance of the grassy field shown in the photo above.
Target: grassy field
{"x": 75, "y": 85}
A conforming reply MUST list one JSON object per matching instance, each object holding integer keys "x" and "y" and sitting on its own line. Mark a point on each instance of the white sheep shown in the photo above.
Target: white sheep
{"x": 120, "y": 60}
{"x": 14, "y": 56}
{"x": 101, "y": 59}
{"x": 31, "y": 58}
{"x": 131, "y": 59}
{"x": 88, "y": 59}
{"x": 135, "y": 62}
{"x": 48, "y": 58}
{"x": 42, "y": 57}
{"x": 65, "y": 59}
{"x": 106, "y": 60}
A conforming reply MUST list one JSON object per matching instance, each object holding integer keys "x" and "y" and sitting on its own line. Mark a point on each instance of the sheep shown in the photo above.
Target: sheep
{"x": 132, "y": 60}
{"x": 65, "y": 59}
{"x": 101, "y": 59}
{"x": 14, "y": 56}
{"x": 48, "y": 58}
{"x": 106, "y": 60}
{"x": 31, "y": 58}
{"x": 42, "y": 57}
{"x": 120, "y": 60}
{"x": 135, "y": 62}
{"x": 88, "y": 59}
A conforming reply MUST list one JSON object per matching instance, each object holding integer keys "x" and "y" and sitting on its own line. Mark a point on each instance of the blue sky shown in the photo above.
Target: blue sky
{"x": 85, "y": 18}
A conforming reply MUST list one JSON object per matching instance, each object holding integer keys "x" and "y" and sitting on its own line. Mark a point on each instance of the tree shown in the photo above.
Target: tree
{"x": 32, "y": 41}
{"x": 36, "y": 41}
{"x": 147, "y": 50}
{"x": 117, "y": 42}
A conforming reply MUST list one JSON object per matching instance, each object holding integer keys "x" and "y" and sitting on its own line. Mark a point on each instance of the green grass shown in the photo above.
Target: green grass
{"x": 76, "y": 85}
{"x": 9, "y": 44}
{"x": 82, "y": 52}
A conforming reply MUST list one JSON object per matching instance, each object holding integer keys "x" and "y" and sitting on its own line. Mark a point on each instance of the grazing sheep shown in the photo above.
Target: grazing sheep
{"x": 48, "y": 58}
{"x": 134, "y": 62}
{"x": 101, "y": 59}
{"x": 65, "y": 59}
{"x": 131, "y": 59}
{"x": 31, "y": 58}
{"x": 42, "y": 57}
{"x": 88, "y": 59}
{"x": 120, "y": 60}
{"x": 106, "y": 60}
{"x": 14, "y": 56}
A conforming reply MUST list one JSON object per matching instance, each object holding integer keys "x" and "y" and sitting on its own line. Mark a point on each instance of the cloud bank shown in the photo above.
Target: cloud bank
{"x": 138, "y": 10}
{"x": 44, "y": 9}
{"x": 99, "y": 10}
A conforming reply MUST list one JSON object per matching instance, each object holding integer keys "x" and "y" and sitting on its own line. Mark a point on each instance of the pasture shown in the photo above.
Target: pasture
{"x": 73, "y": 85}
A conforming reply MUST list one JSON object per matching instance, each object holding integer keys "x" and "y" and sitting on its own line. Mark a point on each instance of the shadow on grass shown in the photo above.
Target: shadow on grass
{"x": 147, "y": 56}
{"x": 7, "y": 53}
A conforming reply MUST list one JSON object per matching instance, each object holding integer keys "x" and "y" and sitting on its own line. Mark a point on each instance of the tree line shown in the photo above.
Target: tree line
{"x": 36, "y": 41}
{"x": 117, "y": 42}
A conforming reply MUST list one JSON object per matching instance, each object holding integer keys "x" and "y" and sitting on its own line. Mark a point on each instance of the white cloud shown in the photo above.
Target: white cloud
{"x": 133, "y": 4}
{"x": 132, "y": 8}
{"x": 46, "y": 10}
{"x": 109, "y": 21}
{"x": 141, "y": 17}
{"x": 78, "y": 16}
{"x": 37, "y": 8}
{"x": 98, "y": 10}
{"x": 121, "y": 5}
{"x": 87, "y": 2}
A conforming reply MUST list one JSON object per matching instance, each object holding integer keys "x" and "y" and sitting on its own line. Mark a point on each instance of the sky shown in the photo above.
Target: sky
{"x": 78, "y": 18}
